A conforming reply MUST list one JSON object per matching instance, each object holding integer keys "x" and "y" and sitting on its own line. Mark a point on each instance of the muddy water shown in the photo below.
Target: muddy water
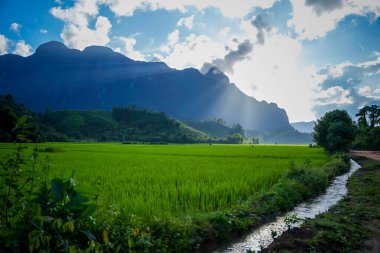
{"x": 263, "y": 236}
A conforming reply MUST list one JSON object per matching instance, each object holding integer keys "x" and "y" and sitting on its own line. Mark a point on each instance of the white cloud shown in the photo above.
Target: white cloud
{"x": 125, "y": 8}
{"x": 3, "y": 44}
{"x": 364, "y": 91}
{"x": 234, "y": 9}
{"x": 334, "y": 95}
{"x": 76, "y": 32}
{"x": 311, "y": 24}
{"x": 367, "y": 91}
{"x": 129, "y": 51}
{"x": 349, "y": 86}
{"x": 194, "y": 51}
{"x": 23, "y": 49}
{"x": 81, "y": 36}
{"x": 173, "y": 37}
{"x": 15, "y": 27}
{"x": 349, "y": 75}
{"x": 43, "y": 31}
{"x": 186, "y": 22}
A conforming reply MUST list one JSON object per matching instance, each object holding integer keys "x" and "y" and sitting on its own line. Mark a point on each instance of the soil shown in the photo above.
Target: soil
{"x": 375, "y": 155}
{"x": 360, "y": 204}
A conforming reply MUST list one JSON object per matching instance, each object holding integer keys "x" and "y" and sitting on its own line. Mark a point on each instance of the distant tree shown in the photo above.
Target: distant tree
{"x": 235, "y": 138}
{"x": 237, "y": 129}
{"x": 335, "y": 131}
{"x": 220, "y": 121}
{"x": 255, "y": 140}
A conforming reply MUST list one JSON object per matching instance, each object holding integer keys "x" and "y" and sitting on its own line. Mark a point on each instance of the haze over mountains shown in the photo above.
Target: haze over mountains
{"x": 304, "y": 127}
{"x": 56, "y": 77}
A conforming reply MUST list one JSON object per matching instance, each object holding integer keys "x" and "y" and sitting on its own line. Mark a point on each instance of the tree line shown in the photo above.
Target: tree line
{"x": 122, "y": 124}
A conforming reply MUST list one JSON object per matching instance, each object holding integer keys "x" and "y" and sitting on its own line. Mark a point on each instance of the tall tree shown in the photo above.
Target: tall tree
{"x": 335, "y": 131}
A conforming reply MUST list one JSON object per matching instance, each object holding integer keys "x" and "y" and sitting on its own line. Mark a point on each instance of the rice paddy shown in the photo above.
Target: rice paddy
{"x": 174, "y": 180}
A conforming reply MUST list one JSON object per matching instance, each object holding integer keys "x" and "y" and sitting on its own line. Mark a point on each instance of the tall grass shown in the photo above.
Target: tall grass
{"x": 175, "y": 180}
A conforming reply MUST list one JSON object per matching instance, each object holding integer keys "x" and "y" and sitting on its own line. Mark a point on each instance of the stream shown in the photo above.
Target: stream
{"x": 262, "y": 236}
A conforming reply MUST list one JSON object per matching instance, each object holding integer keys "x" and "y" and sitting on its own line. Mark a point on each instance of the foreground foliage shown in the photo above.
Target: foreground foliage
{"x": 39, "y": 214}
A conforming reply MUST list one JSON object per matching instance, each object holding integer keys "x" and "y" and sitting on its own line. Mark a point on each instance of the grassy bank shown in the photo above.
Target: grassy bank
{"x": 351, "y": 225}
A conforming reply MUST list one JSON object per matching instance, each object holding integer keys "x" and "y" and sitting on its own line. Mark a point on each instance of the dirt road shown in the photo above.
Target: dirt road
{"x": 375, "y": 155}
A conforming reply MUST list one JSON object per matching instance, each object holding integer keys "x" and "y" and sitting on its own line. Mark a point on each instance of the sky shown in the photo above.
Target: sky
{"x": 307, "y": 56}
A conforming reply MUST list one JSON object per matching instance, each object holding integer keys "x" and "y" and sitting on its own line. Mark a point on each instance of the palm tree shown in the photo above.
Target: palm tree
{"x": 362, "y": 114}
{"x": 374, "y": 115}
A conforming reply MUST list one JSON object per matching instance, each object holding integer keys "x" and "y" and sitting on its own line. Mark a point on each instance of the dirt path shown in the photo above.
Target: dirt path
{"x": 375, "y": 155}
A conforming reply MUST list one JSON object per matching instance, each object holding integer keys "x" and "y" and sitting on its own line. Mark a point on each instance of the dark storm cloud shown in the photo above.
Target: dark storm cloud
{"x": 320, "y": 6}
{"x": 226, "y": 63}
{"x": 262, "y": 27}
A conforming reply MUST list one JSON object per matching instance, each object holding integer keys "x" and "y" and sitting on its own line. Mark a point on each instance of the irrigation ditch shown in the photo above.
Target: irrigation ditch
{"x": 261, "y": 237}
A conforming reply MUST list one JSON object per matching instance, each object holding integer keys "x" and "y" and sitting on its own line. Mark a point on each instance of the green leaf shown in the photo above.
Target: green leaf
{"x": 105, "y": 237}
{"x": 57, "y": 224}
{"x": 89, "y": 235}
{"x": 70, "y": 226}
{"x": 58, "y": 189}
{"x": 130, "y": 243}
{"x": 77, "y": 201}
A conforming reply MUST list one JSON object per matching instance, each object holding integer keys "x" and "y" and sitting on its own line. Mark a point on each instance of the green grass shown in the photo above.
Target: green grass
{"x": 173, "y": 180}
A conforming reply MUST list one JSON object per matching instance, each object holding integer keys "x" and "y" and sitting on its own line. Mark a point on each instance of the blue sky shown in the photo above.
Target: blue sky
{"x": 308, "y": 56}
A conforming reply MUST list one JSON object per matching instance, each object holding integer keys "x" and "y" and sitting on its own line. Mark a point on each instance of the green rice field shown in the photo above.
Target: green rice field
{"x": 175, "y": 180}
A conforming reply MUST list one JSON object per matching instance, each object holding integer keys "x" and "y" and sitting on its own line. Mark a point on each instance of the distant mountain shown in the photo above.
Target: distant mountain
{"x": 304, "y": 127}
{"x": 58, "y": 78}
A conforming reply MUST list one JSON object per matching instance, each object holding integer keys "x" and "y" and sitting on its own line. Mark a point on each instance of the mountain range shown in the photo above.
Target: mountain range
{"x": 58, "y": 78}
